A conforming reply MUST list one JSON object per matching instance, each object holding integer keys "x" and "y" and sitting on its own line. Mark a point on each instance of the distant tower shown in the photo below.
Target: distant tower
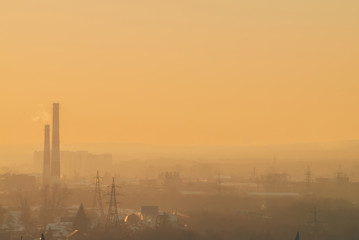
{"x": 341, "y": 177}
{"x": 97, "y": 202}
{"x": 55, "y": 161}
{"x": 112, "y": 220}
{"x": 315, "y": 223}
{"x": 46, "y": 171}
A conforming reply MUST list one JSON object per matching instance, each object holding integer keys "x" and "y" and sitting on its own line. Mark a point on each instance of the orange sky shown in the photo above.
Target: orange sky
{"x": 192, "y": 72}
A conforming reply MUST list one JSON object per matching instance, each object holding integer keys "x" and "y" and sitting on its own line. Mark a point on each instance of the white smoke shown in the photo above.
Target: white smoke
{"x": 41, "y": 115}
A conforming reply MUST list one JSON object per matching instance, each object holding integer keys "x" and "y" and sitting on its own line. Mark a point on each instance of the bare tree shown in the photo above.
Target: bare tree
{"x": 52, "y": 202}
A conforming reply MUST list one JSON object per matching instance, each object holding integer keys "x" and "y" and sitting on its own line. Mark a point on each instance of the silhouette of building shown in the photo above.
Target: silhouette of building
{"x": 17, "y": 182}
{"x": 169, "y": 178}
{"x": 149, "y": 211}
{"x": 79, "y": 162}
{"x": 149, "y": 215}
{"x": 132, "y": 219}
{"x": 46, "y": 172}
{"x": 55, "y": 160}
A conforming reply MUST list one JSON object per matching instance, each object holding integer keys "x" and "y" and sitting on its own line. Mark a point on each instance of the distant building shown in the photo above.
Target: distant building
{"x": 275, "y": 178}
{"x": 79, "y": 162}
{"x": 166, "y": 218}
{"x": 275, "y": 182}
{"x": 169, "y": 178}
{"x": 18, "y": 182}
{"x": 152, "y": 217}
{"x": 149, "y": 211}
{"x": 342, "y": 177}
{"x": 149, "y": 215}
{"x": 132, "y": 219}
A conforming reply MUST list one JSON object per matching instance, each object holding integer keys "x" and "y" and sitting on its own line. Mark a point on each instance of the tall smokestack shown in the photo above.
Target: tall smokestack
{"x": 46, "y": 171}
{"x": 55, "y": 161}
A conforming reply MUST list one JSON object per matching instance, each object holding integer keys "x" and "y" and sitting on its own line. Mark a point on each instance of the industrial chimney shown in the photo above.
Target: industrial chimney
{"x": 55, "y": 161}
{"x": 46, "y": 171}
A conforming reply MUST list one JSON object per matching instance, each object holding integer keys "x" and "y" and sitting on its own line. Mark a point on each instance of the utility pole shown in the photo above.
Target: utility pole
{"x": 315, "y": 222}
{"x": 112, "y": 220}
{"x": 97, "y": 201}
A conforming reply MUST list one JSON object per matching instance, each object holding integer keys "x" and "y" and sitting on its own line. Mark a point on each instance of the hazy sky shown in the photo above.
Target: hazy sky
{"x": 196, "y": 72}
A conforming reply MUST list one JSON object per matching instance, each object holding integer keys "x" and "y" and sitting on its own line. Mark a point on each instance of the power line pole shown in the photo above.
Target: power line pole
{"x": 315, "y": 223}
{"x": 97, "y": 202}
{"x": 112, "y": 220}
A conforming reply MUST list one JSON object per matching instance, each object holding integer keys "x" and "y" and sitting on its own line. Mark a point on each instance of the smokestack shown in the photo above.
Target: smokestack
{"x": 46, "y": 171}
{"x": 55, "y": 161}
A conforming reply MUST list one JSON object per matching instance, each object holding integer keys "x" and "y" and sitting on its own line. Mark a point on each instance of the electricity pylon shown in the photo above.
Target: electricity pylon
{"x": 97, "y": 201}
{"x": 112, "y": 220}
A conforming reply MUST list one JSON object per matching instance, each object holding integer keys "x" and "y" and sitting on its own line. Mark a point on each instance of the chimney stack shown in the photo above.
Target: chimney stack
{"x": 55, "y": 161}
{"x": 46, "y": 173}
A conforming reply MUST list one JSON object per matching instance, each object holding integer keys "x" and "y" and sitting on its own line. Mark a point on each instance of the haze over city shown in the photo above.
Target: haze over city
{"x": 179, "y": 120}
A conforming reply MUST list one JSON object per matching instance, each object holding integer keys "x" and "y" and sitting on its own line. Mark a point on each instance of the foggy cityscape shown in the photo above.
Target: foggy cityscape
{"x": 187, "y": 120}
{"x": 245, "y": 194}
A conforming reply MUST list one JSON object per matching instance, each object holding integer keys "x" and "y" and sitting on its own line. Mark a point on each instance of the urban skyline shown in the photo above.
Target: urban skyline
{"x": 183, "y": 120}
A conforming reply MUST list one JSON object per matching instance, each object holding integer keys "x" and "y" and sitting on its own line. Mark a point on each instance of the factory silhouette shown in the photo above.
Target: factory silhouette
{"x": 51, "y": 162}
{"x": 77, "y": 195}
